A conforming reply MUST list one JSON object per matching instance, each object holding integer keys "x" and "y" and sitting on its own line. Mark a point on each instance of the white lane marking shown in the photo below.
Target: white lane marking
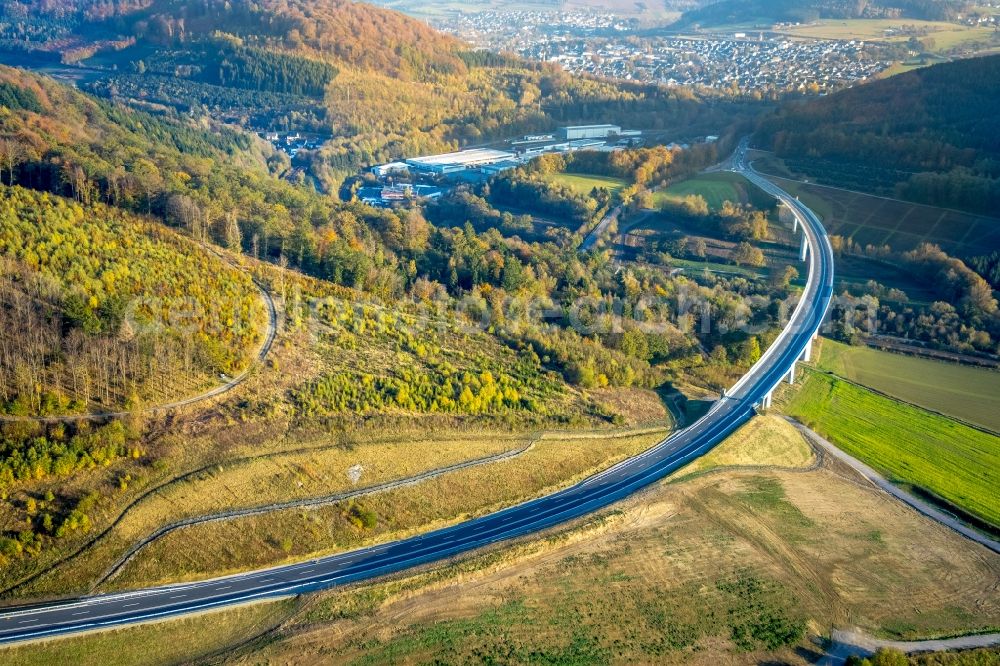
{"x": 130, "y": 605}
{"x": 81, "y": 613}
{"x": 28, "y": 621}
{"x": 386, "y": 546}
{"x": 224, "y": 587}
{"x": 177, "y": 596}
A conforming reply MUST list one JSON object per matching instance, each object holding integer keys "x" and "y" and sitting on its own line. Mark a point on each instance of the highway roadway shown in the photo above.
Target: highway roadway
{"x": 598, "y": 491}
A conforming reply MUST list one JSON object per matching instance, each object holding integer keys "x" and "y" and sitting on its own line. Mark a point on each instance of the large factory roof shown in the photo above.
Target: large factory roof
{"x": 590, "y": 127}
{"x": 472, "y": 157}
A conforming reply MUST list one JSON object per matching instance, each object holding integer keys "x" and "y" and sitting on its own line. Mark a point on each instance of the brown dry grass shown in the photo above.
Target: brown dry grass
{"x": 640, "y": 584}
{"x": 214, "y": 548}
{"x": 832, "y": 551}
{"x": 638, "y": 406}
{"x": 169, "y": 642}
{"x": 266, "y": 472}
{"x": 766, "y": 440}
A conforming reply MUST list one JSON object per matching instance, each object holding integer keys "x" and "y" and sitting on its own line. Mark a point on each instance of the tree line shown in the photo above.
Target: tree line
{"x": 97, "y": 304}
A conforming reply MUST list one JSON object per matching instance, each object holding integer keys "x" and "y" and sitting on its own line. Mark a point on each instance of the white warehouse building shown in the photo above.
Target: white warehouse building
{"x": 463, "y": 159}
{"x": 588, "y": 131}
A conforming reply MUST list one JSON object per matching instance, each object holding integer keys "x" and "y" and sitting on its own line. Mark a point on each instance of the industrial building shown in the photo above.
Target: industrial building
{"x": 588, "y": 132}
{"x": 499, "y": 167}
{"x": 383, "y": 170}
{"x": 585, "y": 144}
{"x": 460, "y": 161}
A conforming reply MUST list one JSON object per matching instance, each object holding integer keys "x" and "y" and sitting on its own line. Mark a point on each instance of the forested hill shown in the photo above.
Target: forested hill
{"x": 371, "y": 85}
{"x": 356, "y": 34}
{"x": 728, "y": 12}
{"x": 937, "y": 129}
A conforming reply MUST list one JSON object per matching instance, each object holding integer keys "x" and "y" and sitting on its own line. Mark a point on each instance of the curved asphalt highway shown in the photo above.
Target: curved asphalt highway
{"x": 595, "y": 492}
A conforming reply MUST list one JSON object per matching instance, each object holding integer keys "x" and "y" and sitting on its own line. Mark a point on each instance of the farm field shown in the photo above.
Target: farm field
{"x": 965, "y": 392}
{"x": 584, "y": 183}
{"x": 946, "y": 35}
{"x": 716, "y": 188}
{"x": 871, "y": 220}
{"x": 680, "y": 574}
{"x": 908, "y": 444}
{"x": 923, "y": 60}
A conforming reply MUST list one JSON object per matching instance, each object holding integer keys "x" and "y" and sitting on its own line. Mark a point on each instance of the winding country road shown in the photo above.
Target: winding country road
{"x": 598, "y": 231}
{"x": 596, "y": 492}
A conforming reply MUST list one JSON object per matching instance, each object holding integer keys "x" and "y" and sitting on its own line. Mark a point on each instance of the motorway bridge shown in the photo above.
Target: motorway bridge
{"x": 737, "y": 406}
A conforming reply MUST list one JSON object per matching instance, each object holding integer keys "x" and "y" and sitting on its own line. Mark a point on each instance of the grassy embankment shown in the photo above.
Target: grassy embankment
{"x": 715, "y": 188}
{"x": 724, "y": 566}
{"x": 264, "y": 540}
{"x": 964, "y": 392}
{"x": 906, "y": 443}
{"x": 268, "y": 478}
{"x": 162, "y": 643}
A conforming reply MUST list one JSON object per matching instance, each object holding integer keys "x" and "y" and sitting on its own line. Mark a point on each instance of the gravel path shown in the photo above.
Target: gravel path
{"x": 850, "y": 642}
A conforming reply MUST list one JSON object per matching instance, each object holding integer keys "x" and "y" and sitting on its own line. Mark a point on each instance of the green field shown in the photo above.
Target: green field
{"x": 923, "y": 60}
{"x": 694, "y": 267}
{"x": 965, "y": 392}
{"x": 715, "y": 188}
{"x": 906, "y": 443}
{"x": 584, "y": 183}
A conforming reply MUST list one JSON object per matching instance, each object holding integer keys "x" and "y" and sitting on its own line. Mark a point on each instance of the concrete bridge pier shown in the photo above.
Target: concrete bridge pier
{"x": 807, "y": 352}
{"x": 804, "y": 248}
{"x": 791, "y": 374}
{"x": 766, "y": 401}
